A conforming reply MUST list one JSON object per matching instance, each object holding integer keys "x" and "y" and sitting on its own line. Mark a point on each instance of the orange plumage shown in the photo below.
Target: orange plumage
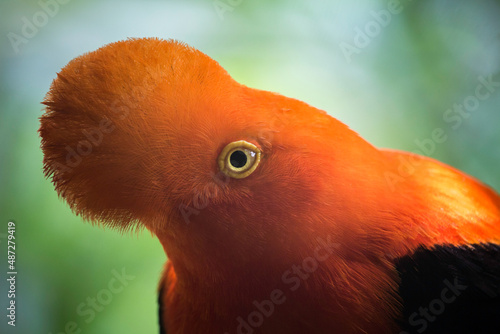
{"x": 131, "y": 137}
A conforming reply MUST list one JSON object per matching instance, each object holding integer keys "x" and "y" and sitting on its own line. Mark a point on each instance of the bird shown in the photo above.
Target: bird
{"x": 275, "y": 216}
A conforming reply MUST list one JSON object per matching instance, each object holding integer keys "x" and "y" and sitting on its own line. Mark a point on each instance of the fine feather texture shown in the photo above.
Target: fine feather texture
{"x": 131, "y": 137}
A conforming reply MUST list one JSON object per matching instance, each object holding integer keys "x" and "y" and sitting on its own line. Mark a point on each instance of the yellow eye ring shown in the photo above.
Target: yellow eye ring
{"x": 239, "y": 159}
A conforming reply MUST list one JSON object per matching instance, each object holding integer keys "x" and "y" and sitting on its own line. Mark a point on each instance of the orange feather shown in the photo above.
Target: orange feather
{"x": 131, "y": 136}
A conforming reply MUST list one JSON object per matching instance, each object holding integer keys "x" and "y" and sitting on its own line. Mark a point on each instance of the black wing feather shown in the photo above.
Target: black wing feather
{"x": 451, "y": 289}
{"x": 161, "y": 308}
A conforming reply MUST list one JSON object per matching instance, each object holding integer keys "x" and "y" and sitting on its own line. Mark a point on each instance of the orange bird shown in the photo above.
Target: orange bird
{"x": 275, "y": 216}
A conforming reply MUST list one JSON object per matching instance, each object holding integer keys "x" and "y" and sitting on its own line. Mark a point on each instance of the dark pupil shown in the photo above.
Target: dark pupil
{"x": 238, "y": 159}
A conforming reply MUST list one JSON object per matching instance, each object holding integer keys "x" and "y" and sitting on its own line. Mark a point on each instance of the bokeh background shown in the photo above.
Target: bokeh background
{"x": 390, "y": 78}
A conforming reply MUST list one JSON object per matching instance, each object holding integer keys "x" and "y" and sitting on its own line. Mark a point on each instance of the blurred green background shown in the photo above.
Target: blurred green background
{"x": 391, "y": 77}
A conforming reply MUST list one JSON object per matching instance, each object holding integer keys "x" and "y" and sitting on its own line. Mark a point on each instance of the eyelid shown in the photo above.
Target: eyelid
{"x": 254, "y": 154}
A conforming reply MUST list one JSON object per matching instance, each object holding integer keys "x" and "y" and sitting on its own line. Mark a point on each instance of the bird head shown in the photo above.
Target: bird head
{"x": 241, "y": 185}
{"x": 155, "y": 133}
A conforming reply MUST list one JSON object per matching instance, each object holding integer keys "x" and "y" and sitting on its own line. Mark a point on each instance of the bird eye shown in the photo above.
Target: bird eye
{"x": 239, "y": 159}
